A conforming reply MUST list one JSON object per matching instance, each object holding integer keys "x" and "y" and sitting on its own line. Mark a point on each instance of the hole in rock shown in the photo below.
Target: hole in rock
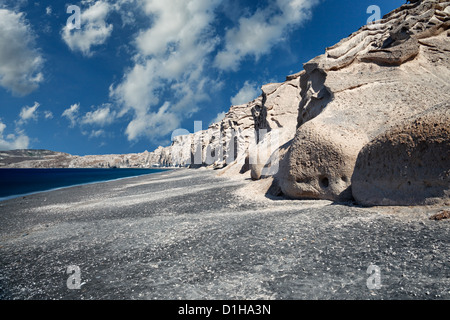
{"x": 324, "y": 182}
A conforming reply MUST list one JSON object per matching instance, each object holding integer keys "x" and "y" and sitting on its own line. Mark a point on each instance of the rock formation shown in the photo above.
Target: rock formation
{"x": 360, "y": 88}
{"x": 231, "y": 143}
{"x": 408, "y": 164}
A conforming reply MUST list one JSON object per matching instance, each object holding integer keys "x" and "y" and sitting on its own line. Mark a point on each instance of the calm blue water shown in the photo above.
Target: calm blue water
{"x": 15, "y": 182}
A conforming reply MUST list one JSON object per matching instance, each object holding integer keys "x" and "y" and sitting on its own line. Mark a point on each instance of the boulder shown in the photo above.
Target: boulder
{"x": 408, "y": 164}
{"x": 318, "y": 165}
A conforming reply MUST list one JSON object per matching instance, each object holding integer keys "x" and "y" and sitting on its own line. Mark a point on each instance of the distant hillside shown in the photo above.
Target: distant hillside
{"x": 28, "y": 158}
{"x": 13, "y": 157}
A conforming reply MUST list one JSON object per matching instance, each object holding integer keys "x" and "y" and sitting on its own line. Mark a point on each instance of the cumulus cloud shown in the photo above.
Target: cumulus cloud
{"x": 257, "y": 34}
{"x": 28, "y": 113}
{"x": 176, "y": 56}
{"x": 94, "y": 29}
{"x": 20, "y": 62}
{"x": 174, "y": 62}
{"x": 247, "y": 93}
{"x": 18, "y": 139}
{"x": 72, "y": 114}
{"x": 172, "y": 55}
{"x": 153, "y": 124}
{"x": 102, "y": 116}
{"x": 31, "y": 113}
{"x": 13, "y": 141}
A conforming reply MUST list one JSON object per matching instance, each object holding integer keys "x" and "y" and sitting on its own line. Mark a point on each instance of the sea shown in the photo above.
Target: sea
{"x": 20, "y": 182}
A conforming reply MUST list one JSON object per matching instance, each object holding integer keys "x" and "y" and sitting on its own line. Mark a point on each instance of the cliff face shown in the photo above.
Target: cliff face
{"x": 359, "y": 88}
{"x": 227, "y": 143}
{"x": 311, "y": 128}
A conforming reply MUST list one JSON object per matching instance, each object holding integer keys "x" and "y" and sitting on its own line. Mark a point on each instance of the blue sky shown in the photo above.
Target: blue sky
{"x": 138, "y": 69}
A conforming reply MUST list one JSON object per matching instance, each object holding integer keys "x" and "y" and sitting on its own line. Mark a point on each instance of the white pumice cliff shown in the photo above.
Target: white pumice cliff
{"x": 366, "y": 85}
{"x": 366, "y": 103}
{"x": 361, "y": 87}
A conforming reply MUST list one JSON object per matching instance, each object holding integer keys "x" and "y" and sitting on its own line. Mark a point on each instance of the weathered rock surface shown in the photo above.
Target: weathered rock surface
{"x": 317, "y": 165}
{"x": 361, "y": 87}
{"x": 408, "y": 164}
{"x": 279, "y": 109}
{"x": 245, "y": 139}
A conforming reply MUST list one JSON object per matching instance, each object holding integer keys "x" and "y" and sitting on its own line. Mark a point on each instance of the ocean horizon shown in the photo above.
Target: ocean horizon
{"x": 17, "y": 182}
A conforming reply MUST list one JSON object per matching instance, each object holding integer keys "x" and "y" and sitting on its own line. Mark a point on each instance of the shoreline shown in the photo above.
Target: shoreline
{"x": 191, "y": 234}
{"x": 72, "y": 185}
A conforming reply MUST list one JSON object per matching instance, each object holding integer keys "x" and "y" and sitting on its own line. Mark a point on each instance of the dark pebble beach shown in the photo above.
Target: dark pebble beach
{"x": 188, "y": 234}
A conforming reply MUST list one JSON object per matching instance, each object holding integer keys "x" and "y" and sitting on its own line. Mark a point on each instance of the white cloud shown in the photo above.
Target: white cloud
{"x": 153, "y": 124}
{"x": 48, "y": 114}
{"x": 72, "y": 114}
{"x": 20, "y": 62}
{"x": 13, "y": 141}
{"x": 97, "y": 133}
{"x": 48, "y": 10}
{"x": 28, "y": 113}
{"x": 94, "y": 29}
{"x": 257, "y": 34}
{"x": 247, "y": 93}
{"x": 31, "y": 113}
{"x": 172, "y": 55}
{"x": 102, "y": 116}
{"x": 218, "y": 118}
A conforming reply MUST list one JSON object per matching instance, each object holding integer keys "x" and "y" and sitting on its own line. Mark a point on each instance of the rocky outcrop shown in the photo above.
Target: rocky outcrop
{"x": 443, "y": 215}
{"x": 278, "y": 112}
{"x": 318, "y": 165}
{"x": 361, "y": 87}
{"x": 408, "y": 164}
{"x": 245, "y": 139}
